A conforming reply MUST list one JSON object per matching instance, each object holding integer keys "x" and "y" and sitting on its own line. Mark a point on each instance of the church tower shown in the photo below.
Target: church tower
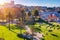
{"x": 12, "y": 2}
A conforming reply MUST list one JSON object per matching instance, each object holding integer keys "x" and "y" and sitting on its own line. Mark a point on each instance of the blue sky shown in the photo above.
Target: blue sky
{"x": 49, "y": 3}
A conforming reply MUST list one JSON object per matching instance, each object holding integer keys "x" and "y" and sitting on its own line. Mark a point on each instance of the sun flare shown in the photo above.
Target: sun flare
{"x": 3, "y": 1}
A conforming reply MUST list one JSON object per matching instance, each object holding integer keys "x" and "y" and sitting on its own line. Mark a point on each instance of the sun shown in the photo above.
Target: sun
{"x": 3, "y": 1}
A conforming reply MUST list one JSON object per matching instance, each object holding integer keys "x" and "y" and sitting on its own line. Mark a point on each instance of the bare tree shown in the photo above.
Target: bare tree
{"x": 9, "y": 18}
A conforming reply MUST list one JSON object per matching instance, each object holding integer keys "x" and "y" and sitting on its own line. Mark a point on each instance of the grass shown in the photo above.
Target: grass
{"x": 53, "y": 35}
{"x": 12, "y": 35}
{"x": 9, "y": 35}
{"x": 49, "y": 36}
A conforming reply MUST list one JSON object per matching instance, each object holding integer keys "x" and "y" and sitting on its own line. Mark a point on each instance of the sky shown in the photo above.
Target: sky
{"x": 49, "y": 3}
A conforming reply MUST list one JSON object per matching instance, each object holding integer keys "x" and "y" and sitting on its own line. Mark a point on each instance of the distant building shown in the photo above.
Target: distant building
{"x": 52, "y": 17}
{"x": 12, "y": 2}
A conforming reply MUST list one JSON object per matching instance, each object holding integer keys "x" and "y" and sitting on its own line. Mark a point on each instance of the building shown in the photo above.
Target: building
{"x": 52, "y": 17}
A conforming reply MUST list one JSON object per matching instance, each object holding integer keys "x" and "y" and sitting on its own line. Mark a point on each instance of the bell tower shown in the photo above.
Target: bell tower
{"x": 12, "y": 1}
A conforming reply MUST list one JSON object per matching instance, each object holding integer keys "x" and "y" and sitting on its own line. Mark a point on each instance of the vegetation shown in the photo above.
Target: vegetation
{"x": 43, "y": 28}
{"x": 51, "y": 31}
{"x": 10, "y": 34}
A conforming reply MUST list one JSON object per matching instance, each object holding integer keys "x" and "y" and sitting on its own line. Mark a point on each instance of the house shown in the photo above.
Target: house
{"x": 52, "y": 17}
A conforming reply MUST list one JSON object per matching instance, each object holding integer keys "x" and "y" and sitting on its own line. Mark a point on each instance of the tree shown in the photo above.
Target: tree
{"x": 36, "y": 13}
{"x": 2, "y": 16}
{"x": 9, "y": 18}
{"x": 20, "y": 16}
{"x": 29, "y": 13}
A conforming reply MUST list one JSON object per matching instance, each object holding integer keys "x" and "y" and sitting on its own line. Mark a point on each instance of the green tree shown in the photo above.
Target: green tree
{"x": 29, "y": 13}
{"x": 36, "y": 13}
